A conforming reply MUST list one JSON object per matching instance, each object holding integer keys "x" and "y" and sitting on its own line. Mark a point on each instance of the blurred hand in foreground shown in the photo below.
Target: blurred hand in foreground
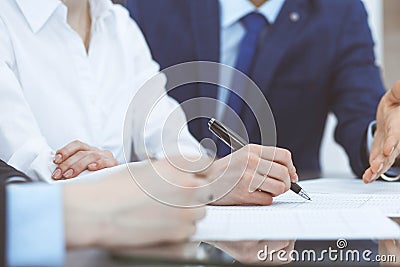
{"x": 263, "y": 253}
{"x": 115, "y": 212}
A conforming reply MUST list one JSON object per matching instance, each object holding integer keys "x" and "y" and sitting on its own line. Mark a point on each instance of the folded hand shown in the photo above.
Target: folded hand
{"x": 77, "y": 157}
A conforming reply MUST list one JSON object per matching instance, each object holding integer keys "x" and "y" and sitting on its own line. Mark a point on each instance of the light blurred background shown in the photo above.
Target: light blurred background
{"x": 384, "y": 20}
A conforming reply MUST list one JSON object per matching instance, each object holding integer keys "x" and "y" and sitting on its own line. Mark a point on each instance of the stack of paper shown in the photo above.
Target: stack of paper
{"x": 389, "y": 205}
{"x": 345, "y": 194}
{"x": 351, "y": 186}
{"x": 340, "y": 208}
{"x": 260, "y": 223}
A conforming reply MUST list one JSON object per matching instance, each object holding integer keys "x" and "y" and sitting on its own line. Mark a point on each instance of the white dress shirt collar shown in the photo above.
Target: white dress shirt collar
{"x": 233, "y": 10}
{"x": 38, "y": 12}
{"x": 100, "y": 8}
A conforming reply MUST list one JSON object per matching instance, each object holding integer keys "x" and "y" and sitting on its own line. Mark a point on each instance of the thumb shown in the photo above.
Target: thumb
{"x": 394, "y": 93}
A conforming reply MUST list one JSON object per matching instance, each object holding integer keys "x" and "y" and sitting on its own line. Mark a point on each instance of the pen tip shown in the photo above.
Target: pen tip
{"x": 304, "y": 195}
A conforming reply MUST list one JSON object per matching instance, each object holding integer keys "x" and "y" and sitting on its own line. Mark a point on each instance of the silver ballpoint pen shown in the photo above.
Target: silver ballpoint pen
{"x": 234, "y": 141}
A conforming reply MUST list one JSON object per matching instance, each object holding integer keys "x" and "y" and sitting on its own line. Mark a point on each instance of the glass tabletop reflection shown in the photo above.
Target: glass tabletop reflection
{"x": 339, "y": 252}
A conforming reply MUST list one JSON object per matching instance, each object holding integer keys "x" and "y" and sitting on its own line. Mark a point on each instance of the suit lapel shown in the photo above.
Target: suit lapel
{"x": 206, "y": 29}
{"x": 205, "y": 19}
{"x": 292, "y": 18}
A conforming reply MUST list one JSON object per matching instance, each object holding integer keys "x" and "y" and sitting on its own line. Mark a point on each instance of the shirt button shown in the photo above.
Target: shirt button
{"x": 294, "y": 16}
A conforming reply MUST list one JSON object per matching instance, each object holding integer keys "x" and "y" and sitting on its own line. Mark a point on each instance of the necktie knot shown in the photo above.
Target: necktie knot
{"x": 254, "y": 22}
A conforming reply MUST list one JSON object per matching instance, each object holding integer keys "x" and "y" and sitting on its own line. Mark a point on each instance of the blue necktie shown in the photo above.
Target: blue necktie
{"x": 254, "y": 24}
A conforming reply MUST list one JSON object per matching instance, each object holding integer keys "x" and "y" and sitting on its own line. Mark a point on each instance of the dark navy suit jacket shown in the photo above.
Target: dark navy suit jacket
{"x": 323, "y": 62}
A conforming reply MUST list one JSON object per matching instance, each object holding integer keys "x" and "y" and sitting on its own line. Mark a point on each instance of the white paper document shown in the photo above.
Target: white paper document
{"x": 388, "y": 205}
{"x": 350, "y": 186}
{"x": 343, "y": 193}
{"x": 340, "y": 208}
{"x": 262, "y": 223}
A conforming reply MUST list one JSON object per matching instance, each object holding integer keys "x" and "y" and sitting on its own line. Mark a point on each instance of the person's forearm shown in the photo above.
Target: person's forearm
{"x": 112, "y": 211}
{"x": 23, "y": 145}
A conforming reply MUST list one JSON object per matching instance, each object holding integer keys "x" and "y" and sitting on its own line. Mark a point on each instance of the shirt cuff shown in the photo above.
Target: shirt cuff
{"x": 370, "y": 136}
{"x": 35, "y": 159}
{"x": 393, "y": 174}
{"x": 35, "y": 225}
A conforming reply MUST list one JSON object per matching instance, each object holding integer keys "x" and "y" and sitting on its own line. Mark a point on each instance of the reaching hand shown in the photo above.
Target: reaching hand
{"x": 385, "y": 147}
{"x": 77, "y": 157}
{"x": 391, "y": 250}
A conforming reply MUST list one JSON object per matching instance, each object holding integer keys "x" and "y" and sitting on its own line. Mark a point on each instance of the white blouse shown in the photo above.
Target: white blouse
{"x": 53, "y": 92}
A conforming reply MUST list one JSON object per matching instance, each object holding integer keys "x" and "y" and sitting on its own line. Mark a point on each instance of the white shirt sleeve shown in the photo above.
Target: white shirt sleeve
{"x": 159, "y": 125}
{"x": 21, "y": 142}
{"x": 370, "y": 136}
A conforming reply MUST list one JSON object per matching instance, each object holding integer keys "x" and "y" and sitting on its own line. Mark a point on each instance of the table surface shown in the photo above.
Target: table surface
{"x": 245, "y": 253}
